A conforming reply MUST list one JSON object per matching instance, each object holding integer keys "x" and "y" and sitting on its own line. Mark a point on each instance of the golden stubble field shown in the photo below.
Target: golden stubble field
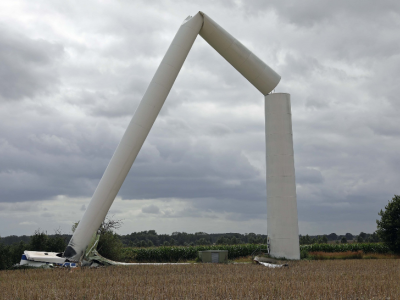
{"x": 338, "y": 279}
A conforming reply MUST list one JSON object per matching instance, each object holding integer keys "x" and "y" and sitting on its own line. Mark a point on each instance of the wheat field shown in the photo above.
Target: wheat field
{"x": 339, "y": 279}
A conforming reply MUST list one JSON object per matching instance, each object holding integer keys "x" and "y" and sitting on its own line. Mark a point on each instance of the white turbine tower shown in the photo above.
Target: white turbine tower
{"x": 282, "y": 221}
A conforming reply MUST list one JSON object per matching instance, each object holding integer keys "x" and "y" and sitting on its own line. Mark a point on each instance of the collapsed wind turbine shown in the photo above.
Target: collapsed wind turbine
{"x": 282, "y": 223}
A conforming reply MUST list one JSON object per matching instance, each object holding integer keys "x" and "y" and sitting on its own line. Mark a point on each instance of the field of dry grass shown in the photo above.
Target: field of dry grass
{"x": 330, "y": 279}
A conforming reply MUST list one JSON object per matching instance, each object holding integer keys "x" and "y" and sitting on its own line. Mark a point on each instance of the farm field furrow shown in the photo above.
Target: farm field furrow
{"x": 339, "y": 279}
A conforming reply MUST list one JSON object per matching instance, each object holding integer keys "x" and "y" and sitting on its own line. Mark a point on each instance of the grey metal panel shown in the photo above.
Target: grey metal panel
{"x": 214, "y": 257}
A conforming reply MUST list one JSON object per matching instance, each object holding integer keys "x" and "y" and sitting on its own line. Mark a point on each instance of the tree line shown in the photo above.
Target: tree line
{"x": 150, "y": 238}
{"x": 343, "y": 239}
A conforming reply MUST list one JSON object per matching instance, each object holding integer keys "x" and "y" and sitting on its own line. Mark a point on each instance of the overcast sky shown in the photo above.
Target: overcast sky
{"x": 73, "y": 72}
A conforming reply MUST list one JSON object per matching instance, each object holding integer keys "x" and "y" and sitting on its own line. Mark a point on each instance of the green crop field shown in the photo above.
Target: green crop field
{"x": 175, "y": 254}
{"x": 179, "y": 254}
{"x": 364, "y": 247}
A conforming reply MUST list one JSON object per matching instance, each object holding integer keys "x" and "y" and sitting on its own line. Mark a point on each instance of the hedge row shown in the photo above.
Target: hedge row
{"x": 174, "y": 254}
{"x": 180, "y": 253}
{"x": 366, "y": 248}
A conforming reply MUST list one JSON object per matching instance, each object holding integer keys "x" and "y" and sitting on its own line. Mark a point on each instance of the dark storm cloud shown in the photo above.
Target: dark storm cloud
{"x": 79, "y": 79}
{"x": 181, "y": 168}
{"x": 53, "y": 157}
{"x": 27, "y": 65}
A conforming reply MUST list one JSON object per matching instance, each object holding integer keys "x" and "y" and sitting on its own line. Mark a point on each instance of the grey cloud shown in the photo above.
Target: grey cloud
{"x": 19, "y": 207}
{"x": 151, "y": 209}
{"x": 309, "y": 176}
{"x": 28, "y": 65}
{"x": 301, "y": 66}
{"x": 49, "y": 161}
{"x": 309, "y": 13}
{"x": 233, "y": 209}
{"x": 219, "y": 129}
{"x": 198, "y": 173}
{"x": 47, "y": 215}
{"x": 187, "y": 212}
{"x": 207, "y": 146}
{"x": 318, "y": 101}
{"x": 28, "y": 223}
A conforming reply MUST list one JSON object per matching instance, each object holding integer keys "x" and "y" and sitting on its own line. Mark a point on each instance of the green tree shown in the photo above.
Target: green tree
{"x": 141, "y": 244}
{"x": 306, "y": 240}
{"x": 223, "y": 241}
{"x": 234, "y": 241}
{"x": 373, "y": 238}
{"x": 16, "y": 251}
{"x": 343, "y": 240}
{"x": 389, "y": 224}
{"x": 202, "y": 241}
{"x": 110, "y": 244}
{"x": 349, "y": 236}
{"x": 39, "y": 241}
{"x": 324, "y": 239}
{"x": 5, "y": 261}
{"x": 56, "y": 243}
{"x": 363, "y": 235}
{"x": 258, "y": 240}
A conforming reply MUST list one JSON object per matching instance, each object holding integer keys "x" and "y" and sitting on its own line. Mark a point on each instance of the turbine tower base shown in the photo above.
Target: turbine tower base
{"x": 282, "y": 222}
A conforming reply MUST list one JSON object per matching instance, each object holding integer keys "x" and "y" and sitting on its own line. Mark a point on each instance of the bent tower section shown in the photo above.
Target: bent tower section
{"x": 134, "y": 137}
{"x": 242, "y": 59}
